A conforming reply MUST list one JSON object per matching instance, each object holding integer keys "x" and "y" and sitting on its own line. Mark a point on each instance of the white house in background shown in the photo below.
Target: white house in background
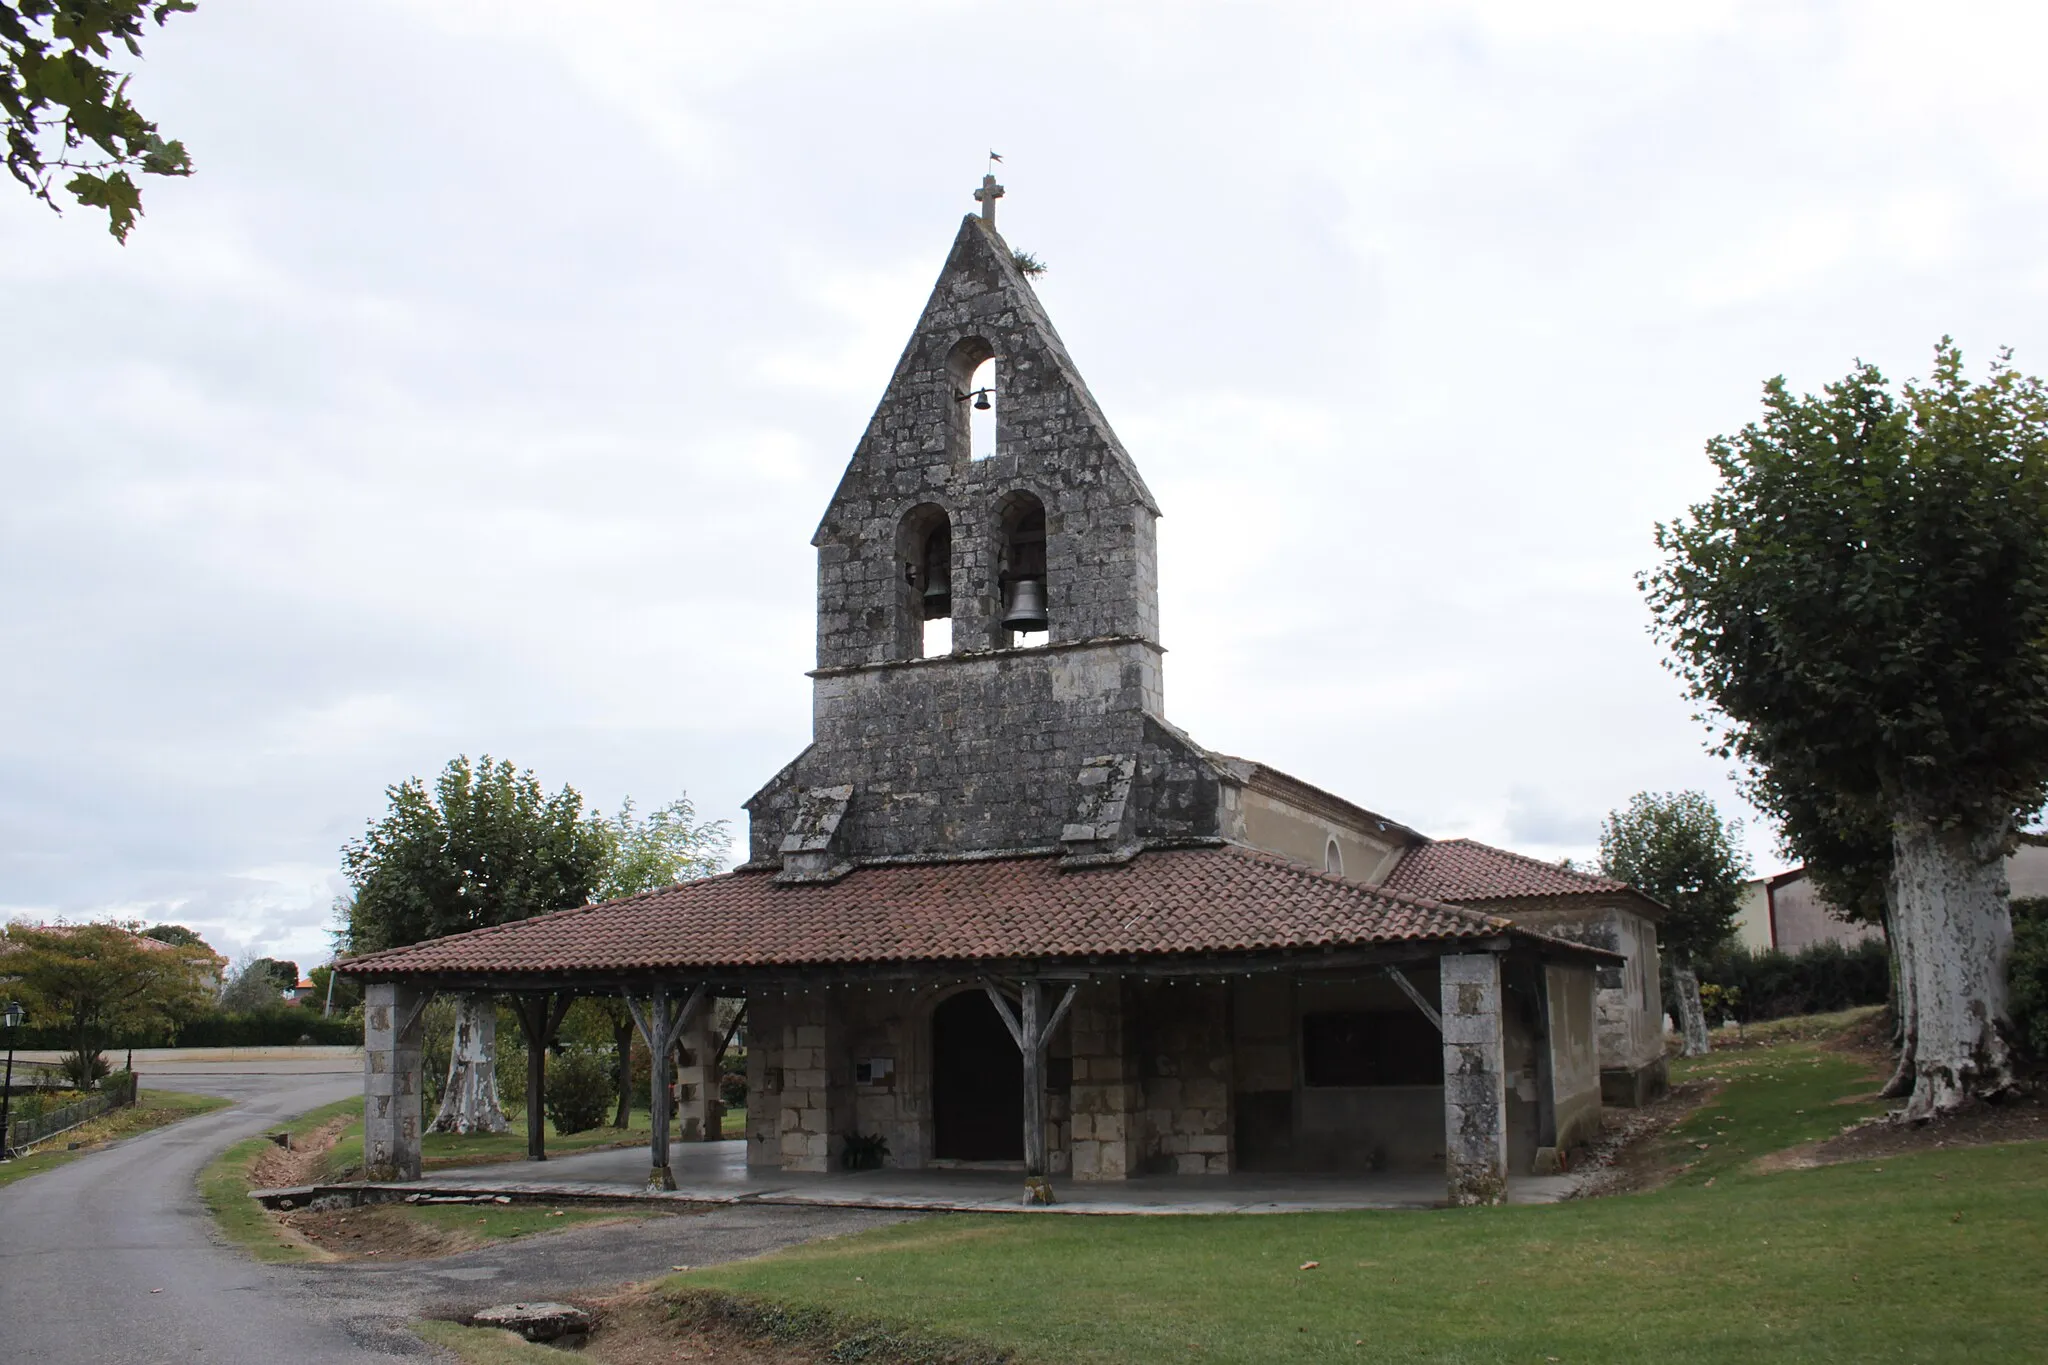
{"x": 1787, "y": 911}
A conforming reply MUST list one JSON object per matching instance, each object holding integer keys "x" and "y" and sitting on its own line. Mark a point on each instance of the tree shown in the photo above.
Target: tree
{"x": 252, "y": 987}
{"x": 339, "y": 992}
{"x": 1675, "y": 849}
{"x": 487, "y": 846}
{"x": 177, "y": 935}
{"x": 667, "y": 847}
{"x": 1862, "y": 609}
{"x": 98, "y": 979}
{"x": 65, "y": 107}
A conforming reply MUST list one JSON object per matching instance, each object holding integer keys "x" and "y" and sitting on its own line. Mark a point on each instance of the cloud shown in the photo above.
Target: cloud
{"x": 484, "y": 387}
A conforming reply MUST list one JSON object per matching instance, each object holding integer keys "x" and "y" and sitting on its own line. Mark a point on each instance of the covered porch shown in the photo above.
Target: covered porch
{"x": 1207, "y": 1013}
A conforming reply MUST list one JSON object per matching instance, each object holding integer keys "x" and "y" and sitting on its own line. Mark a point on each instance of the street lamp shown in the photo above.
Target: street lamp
{"x": 11, "y": 1017}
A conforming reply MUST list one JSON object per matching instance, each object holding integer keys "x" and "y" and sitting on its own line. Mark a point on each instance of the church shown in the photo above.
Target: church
{"x": 1002, "y": 912}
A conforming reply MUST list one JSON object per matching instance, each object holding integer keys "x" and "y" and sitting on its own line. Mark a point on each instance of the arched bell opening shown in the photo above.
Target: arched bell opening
{"x": 924, "y": 608}
{"x": 973, "y": 380}
{"x": 1023, "y": 588}
{"x": 1333, "y": 858}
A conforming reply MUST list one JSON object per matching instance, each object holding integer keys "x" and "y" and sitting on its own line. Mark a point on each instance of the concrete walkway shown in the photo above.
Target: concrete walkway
{"x": 716, "y": 1173}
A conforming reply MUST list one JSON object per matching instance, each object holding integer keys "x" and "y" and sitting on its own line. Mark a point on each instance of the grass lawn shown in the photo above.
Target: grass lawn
{"x": 1936, "y": 1256}
{"x": 152, "y": 1109}
{"x": 485, "y": 1345}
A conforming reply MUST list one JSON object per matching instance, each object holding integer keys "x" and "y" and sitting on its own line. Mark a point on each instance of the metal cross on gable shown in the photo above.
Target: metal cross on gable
{"x": 986, "y": 196}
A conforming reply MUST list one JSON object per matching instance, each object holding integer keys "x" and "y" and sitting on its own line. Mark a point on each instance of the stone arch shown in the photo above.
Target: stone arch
{"x": 964, "y": 376}
{"x": 924, "y": 576}
{"x": 1333, "y": 858}
{"x": 1020, "y": 556}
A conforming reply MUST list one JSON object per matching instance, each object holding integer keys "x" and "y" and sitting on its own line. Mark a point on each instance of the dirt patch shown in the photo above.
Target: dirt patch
{"x": 650, "y": 1326}
{"x": 395, "y": 1232}
{"x": 2022, "y": 1118}
{"x": 1628, "y": 1157}
{"x": 302, "y": 1163}
{"x": 385, "y": 1231}
{"x": 637, "y": 1328}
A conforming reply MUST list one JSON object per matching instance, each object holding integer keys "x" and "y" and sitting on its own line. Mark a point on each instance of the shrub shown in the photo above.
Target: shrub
{"x": 580, "y": 1089}
{"x": 732, "y": 1079}
{"x": 864, "y": 1152}
{"x": 1818, "y": 979}
{"x": 85, "y": 1069}
{"x": 2027, "y": 973}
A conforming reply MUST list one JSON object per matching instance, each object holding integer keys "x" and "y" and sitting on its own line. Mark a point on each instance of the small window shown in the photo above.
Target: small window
{"x": 1375, "y": 1047}
{"x": 1333, "y": 858}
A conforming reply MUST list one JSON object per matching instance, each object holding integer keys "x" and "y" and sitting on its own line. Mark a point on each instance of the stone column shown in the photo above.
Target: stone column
{"x": 392, "y": 1031}
{"x": 1475, "y": 1095}
{"x": 810, "y": 1136}
{"x": 700, "y": 1115}
{"x": 764, "y": 1079}
{"x": 1104, "y": 1098}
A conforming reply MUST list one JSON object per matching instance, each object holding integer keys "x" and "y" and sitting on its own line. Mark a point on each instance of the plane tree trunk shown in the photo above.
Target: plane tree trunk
{"x": 1692, "y": 1016}
{"x": 1956, "y": 937}
{"x": 470, "y": 1102}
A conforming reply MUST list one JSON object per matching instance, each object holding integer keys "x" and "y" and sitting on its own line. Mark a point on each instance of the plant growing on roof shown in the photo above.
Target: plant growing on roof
{"x": 1862, "y": 609}
{"x": 1674, "y": 848}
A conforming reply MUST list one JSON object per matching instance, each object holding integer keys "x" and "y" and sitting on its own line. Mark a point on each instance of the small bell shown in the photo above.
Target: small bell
{"x": 938, "y": 592}
{"x": 981, "y": 403}
{"x": 1024, "y": 605}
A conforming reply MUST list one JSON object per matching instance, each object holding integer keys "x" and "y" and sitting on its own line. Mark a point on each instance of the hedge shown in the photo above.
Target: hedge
{"x": 1818, "y": 979}
{"x": 264, "y": 1028}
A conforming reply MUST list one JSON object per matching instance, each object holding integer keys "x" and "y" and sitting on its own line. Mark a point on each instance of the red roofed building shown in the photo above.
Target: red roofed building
{"x": 1000, "y": 910}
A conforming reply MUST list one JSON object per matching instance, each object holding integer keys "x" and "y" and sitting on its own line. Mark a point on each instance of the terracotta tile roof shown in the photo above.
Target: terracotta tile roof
{"x": 1162, "y": 902}
{"x": 1466, "y": 870}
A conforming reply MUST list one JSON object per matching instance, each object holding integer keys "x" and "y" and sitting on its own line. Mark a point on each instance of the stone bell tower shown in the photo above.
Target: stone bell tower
{"x": 1037, "y": 718}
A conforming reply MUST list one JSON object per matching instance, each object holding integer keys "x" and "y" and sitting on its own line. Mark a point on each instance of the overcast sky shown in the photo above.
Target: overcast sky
{"x": 482, "y": 389}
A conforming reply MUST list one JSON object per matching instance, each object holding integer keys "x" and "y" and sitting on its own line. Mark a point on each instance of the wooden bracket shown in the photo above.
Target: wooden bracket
{"x": 1408, "y": 989}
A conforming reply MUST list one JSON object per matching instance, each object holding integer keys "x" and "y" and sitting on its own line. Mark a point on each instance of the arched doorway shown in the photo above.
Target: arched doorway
{"x": 977, "y": 1083}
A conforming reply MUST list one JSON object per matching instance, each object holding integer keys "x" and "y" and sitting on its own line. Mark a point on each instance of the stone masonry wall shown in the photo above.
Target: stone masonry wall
{"x": 809, "y": 1128}
{"x": 1104, "y": 1099}
{"x": 979, "y": 750}
{"x": 1051, "y": 440}
{"x": 984, "y": 753}
{"x": 1184, "y": 1053}
{"x": 764, "y": 1079}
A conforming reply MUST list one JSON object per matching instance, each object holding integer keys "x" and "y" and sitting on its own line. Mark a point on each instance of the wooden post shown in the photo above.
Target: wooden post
{"x": 540, "y": 1019}
{"x": 661, "y": 1020}
{"x": 1034, "y": 1082}
{"x": 1031, "y": 1029}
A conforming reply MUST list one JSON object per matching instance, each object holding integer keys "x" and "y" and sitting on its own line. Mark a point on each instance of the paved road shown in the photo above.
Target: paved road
{"x": 83, "y": 1247}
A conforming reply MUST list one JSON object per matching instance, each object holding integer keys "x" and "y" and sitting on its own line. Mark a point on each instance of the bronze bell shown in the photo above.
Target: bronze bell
{"x": 981, "y": 402}
{"x": 938, "y": 592}
{"x": 1024, "y": 605}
